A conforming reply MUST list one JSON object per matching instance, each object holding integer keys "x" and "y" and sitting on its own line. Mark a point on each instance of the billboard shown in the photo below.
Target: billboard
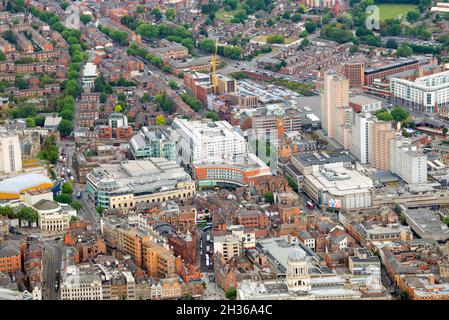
{"x": 334, "y": 203}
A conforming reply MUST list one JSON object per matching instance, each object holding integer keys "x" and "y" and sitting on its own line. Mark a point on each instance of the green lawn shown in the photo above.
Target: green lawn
{"x": 225, "y": 15}
{"x": 392, "y": 11}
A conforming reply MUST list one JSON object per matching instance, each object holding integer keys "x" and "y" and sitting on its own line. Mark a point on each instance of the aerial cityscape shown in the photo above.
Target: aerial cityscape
{"x": 224, "y": 150}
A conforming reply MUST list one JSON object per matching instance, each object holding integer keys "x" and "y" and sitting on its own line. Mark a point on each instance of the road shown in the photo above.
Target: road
{"x": 203, "y": 249}
{"x": 52, "y": 264}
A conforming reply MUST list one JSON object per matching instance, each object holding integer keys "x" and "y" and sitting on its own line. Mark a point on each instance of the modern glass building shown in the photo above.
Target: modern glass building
{"x": 153, "y": 142}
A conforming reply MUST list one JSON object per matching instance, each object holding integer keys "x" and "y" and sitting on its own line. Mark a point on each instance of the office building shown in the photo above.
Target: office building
{"x": 336, "y": 115}
{"x": 10, "y": 154}
{"x": 429, "y": 94}
{"x": 207, "y": 141}
{"x": 228, "y": 246}
{"x": 407, "y": 162}
{"x": 153, "y": 142}
{"x": 355, "y": 72}
{"x": 130, "y": 182}
{"x": 381, "y": 135}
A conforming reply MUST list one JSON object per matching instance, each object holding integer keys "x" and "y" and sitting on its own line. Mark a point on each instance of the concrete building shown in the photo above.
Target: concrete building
{"x": 301, "y": 284}
{"x": 360, "y": 137}
{"x": 426, "y": 223}
{"x": 130, "y": 182}
{"x": 429, "y": 94}
{"x": 81, "y": 282}
{"x": 407, "y": 162}
{"x": 335, "y": 112}
{"x": 361, "y": 103}
{"x": 14, "y": 188}
{"x": 228, "y": 246}
{"x": 355, "y": 72}
{"x": 364, "y": 264}
{"x": 207, "y": 141}
{"x": 153, "y": 142}
{"x": 90, "y": 73}
{"x": 10, "y": 154}
{"x": 381, "y": 135}
{"x": 333, "y": 181}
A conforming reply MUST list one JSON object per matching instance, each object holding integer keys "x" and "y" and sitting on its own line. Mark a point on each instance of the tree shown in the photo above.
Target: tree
{"x": 65, "y": 127}
{"x": 8, "y": 212}
{"x": 30, "y": 122}
{"x": 296, "y": 17}
{"x": 100, "y": 209}
{"x": 85, "y": 18}
{"x": 156, "y": 12}
{"x": 391, "y": 44}
{"x": 404, "y": 51}
{"x": 164, "y": 102}
{"x": 412, "y": 16}
{"x": 28, "y": 214}
{"x": 173, "y": 84}
{"x": 76, "y": 205}
{"x": 212, "y": 115}
{"x": 67, "y": 188}
{"x": 170, "y": 13}
{"x": 446, "y": 220}
{"x": 399, "y": 114}
{"x": 2, "y": 56}
{"x": 268, "y": 197}
{"x": 63, "y": 198}
{"x": 118, "y": 108}
{"x": 49, "y": 150}
{"x": 231, "y": 294}
{"x": 278, "y": 39}
{"x": 310, "y": 26}
{"x": 444, "y": 130}
{"x": 140, "y": 9}
{"x": 39, "y": 120}
{"x": 160, "y": 120}
{"x": 384, "y": 115}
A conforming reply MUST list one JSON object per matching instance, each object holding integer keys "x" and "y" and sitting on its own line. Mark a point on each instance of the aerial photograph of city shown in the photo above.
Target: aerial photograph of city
{"x": 227, "y": 150}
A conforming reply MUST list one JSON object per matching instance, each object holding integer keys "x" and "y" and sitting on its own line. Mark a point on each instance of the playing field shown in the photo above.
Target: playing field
{"x": 392, "y": 11}
{"x": 226, "y": 16}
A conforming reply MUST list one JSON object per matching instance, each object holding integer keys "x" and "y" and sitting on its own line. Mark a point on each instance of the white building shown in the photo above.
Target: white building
{"x": 90, "y": 73}
{"x": 53, "y": 216}
{"x": 228, "y": 245}
{"x": 360, "y": 137}
{"x": 10, "y": 154}
{"x": 81, "y": 282}
{"x": 427, "y": 94}
{"x": 207, "y": 140}
{"x": 407, "y": 162}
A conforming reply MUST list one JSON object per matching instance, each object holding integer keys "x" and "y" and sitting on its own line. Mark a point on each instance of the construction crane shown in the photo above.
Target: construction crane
{"x": 213, "y": 62}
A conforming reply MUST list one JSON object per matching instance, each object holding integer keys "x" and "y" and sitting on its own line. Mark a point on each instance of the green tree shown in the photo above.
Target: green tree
{"x": 173, "y": 84}
{"x": 156, "y": 12}
{"x": 231, "y": 294}
{"x": 310, "y": 26}
{"x": 212, "y": 115}
{"x": 164, "y": 102}
{"x": 160, "y": 120}
{"x": 65, "y": 127}
{"x": 140, "y": 9}
{"x": 100, "y": 209}
{"x": 278, "y": 39}
{"x": 399, "y": 114}
{"x": 444, "y": 130}
{"x": 39, "y": 120}
{"x": 30, "y": 122}
{"x": 49, "y": 150}
{"x": 2, "y": 56}
{"x": 118, "y": 108}
{"x": 384, "y": 115}
{"x": 85, "y": 18}
{"x": 269, "y": 197}
{"x": 391, "y": 44}
{"x": 8, "y": 212}
{"x": 76, "y": 205}
{"x": 404, "y": 51}
{"x": 446, "y": 220}
{"x": 67, "y": 188}
{"x": 170, "y": 13}
{"x": 412, "y": 16}
{"x": 63, "y": 198}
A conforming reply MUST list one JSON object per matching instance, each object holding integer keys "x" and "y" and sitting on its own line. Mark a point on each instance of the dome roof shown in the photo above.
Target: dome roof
{"x": 44, "y": 205}
{"x": 297, "y": 254}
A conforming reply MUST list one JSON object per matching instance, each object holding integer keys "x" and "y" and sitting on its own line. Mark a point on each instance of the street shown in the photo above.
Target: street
{"x": 52, "y": 264}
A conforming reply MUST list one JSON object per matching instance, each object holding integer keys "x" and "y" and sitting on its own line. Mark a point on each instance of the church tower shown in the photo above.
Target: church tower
{"x": 298, "y": 278}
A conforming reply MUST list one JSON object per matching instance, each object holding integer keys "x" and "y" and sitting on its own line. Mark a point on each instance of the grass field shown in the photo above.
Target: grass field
{"x": 263, "y": 38}
{"x": 392, "y": 11}
{"x": 226, "y": 16}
